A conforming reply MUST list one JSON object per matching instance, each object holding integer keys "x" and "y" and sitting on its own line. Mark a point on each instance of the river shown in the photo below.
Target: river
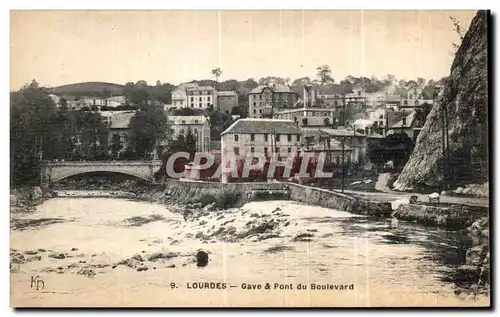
{"x": 74, "y": 246}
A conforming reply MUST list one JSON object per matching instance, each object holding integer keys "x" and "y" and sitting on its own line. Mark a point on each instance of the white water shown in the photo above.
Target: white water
{"x": 344, "y": 250}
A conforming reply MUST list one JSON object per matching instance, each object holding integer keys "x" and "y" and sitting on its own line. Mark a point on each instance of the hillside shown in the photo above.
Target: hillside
{"x": 89, "y": 88}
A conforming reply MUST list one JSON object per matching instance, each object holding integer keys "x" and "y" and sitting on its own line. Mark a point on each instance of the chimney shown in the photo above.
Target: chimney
{"x": 305, "y": 96}
{"x": 371, "y": 130}
{"x": 404, "y": 121}
{"x": 313, "y": 96}
{"x": 367, "y": 130}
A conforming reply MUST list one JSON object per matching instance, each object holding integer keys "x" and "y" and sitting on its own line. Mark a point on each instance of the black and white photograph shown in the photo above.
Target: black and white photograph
{"x": 250, "y": 158}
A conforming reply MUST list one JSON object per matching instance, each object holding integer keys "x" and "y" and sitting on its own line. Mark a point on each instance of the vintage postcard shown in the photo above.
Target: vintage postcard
{"x": 249, "y": 159}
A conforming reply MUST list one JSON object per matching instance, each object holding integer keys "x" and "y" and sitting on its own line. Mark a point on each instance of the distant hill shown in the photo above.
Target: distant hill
{"x": 89, "y": 89}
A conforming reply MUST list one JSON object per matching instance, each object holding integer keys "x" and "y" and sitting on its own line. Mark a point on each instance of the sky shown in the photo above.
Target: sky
{"x": 64, "y": 47}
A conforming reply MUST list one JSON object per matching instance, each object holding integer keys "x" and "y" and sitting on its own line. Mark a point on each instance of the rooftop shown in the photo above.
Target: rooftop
{"x": 409, "y": 121}
{"x": 275, "y": 88}
{"x": 259, "y": 125}
{"x": 187, "y": 119}
{"x": 227, "y": 93}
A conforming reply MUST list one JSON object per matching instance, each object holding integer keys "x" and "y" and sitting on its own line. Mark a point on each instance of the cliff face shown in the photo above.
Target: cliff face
{"x": 465, "y": 99}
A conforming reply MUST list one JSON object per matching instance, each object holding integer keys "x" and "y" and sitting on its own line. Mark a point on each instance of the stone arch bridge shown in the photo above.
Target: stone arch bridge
{"x": 55, "y": 171}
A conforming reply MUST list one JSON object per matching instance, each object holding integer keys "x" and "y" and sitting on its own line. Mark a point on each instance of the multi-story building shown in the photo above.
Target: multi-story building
{"x": 263, "y": 101}
{"x": 119, "y": 125}
{"x": 226, "y": 101}
{"x": 194, "y": 96}
{"x": 199, "y": 126}
{"x": 270, "y": 137}
{"x": 357, "y": 140}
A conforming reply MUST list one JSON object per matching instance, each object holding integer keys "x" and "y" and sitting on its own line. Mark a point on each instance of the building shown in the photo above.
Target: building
{"x": 332, "y": 101}
{"x": 263, "y": 101}
{"x": 199, "y": 125}
{"x": 194, "y": 96}
{"x": 410, "y": 124}
{"x": 415, "y": 98}
{"x": 226, "y": 101}
{"x": 310, "y": 116}
{"x": 318, "y": 141}
{"x": 119, "y": 124}
{"x": 271, "y": 137}
{"x": 357, "y": 140}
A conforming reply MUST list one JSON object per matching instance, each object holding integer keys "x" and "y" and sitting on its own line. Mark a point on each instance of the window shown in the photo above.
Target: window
{"x": 208, "y": 98}
{"x": 266, "y": 136}
{"x": 277, "y": 137}
{"x": 236, "y": 137}
{"x": 200, "y": 105}
{"x": 410, "y": 96}
{"x": 192, "y": 105}
{"x": 326, "y": 114}
{"x": 335, "y": 102}
{"x": 381, "y": 123}
{"x": 192, "y": 98}
{"x": 175, "y": 103}
{"x": 289, "y": 138}
{"x": 254, "y": 111}
{"x": 265, "y": 151}
{"x": 195, "y": 131}
{"x": 252, "y": 137}
{"x": 172, "y": 131}
{"x": 236, "y": 151}
{"x": 252, "y": 150}
{"x": 277, "y": 150}
{"x": 182, "y": 131}
{"x": 289, "y": 150}
{"x": 200, "y": 99}
{"x": 260, "y": 110}
{"x": 254, "y": 104}
{"x": 196, "y": 121}
{"x": 298, "y": 138}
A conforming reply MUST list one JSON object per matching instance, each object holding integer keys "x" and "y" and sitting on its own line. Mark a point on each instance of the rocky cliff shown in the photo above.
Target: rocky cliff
{"x": 463, "y": 100}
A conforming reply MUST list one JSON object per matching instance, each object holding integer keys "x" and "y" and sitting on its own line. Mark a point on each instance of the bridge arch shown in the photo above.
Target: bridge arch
{"x": 56, "y": 171}
{"x": 68, "y": 175}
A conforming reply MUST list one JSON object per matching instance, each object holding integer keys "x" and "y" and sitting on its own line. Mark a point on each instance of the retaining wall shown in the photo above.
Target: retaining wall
{"x": 183, "y": 191}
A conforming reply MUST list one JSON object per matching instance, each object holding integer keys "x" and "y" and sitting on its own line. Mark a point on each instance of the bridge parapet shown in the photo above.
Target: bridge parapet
{"x": 55, "y": 171}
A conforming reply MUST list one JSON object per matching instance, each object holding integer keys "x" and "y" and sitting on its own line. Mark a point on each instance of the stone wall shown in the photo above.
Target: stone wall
{"x": 336, "y": 200}
{"x": 186, "y": 191}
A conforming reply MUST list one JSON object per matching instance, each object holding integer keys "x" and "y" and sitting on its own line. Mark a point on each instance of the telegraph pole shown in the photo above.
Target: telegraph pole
{"x": 343, "y": 169}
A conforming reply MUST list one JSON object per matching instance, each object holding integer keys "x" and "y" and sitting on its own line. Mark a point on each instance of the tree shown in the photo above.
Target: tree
{"x": 31, "y": 111}
{"x": 421, "y": 82}
{"x": 301, "y": 81}
{"x": 147, "y": 129}
{"x": 116, "y": 145}
{"x": 390, "y": 79}
{"x": 458, "y": 30}
{"x": 217, "y": 72}
{"x": 324, "y": 74}
{"x": 190, "y": 143}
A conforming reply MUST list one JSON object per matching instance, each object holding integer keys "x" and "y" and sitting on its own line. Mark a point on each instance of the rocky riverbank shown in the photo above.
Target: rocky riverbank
{"x": 452, "y": 216}
{"x": 477, "y": 263}
{"x": 25, "y": 199}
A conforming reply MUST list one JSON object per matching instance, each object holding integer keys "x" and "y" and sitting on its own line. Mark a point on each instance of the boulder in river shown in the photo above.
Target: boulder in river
{"x": 201, "y": 258}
